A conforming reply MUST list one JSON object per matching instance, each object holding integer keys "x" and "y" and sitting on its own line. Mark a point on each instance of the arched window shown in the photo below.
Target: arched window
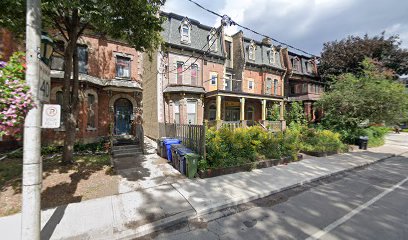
{"x": 251, "y": 50}
{"x": 212, "y": 40}
{"x": 268, "y": 86}
{"x": 185, "y": 31}
{"x": 272, "y": 55}
{"x": 296, "y": 64}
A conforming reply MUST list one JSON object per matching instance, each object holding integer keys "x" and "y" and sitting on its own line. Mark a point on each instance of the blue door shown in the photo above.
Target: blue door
{"x": 123, "y": 114}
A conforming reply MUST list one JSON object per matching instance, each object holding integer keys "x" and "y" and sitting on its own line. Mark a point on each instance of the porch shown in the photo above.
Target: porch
{"x": 242, "y": 109}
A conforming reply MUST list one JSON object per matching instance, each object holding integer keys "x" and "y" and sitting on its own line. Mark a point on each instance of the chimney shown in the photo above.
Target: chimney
{"x": 267, "y": 41}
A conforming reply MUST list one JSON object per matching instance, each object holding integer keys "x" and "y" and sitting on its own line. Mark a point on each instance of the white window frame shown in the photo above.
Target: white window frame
{"x": 212, "y": 76}
{"x": 272, "y": 56}
{"x": 251, "y": 51}
{"x": 251, "y": 88}
{"x": 212, "y": 41}
{"x": 275, "y": 87}
{"x": 194, "y": 102}
{"x": 185, "y": 37}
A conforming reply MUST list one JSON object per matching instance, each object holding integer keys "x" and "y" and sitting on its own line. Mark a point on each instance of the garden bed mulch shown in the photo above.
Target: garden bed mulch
{"x": 90, "y": 177}
{"x": 214, "y": 172}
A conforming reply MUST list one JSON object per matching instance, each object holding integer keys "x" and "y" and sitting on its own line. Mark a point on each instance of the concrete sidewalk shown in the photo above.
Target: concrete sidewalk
{"x": 140, "y": 212}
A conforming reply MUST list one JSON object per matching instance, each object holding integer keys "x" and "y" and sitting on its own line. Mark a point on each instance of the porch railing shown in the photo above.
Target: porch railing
{"x": 192, "y": 136}
{"x": 273, "y": 126}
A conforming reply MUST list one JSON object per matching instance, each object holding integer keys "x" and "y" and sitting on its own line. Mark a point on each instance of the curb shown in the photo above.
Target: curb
{"x": 193, "y": 214}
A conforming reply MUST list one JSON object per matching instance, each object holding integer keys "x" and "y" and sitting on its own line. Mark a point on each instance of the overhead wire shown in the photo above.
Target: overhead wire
{"x": 232, "y": 22}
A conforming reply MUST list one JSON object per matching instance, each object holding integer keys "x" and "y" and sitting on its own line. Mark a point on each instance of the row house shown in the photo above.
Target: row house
{"x": 303, "y": 83}
{"x": 253, "y": 82}
{"x": 110, "y": 89}
{"x": 203, "y": 74}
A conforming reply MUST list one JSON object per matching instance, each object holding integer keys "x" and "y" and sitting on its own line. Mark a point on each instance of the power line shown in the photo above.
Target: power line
{"x": 228, "y": 20}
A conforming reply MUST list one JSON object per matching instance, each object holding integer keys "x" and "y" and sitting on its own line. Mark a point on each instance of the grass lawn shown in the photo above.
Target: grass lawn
{"x": 90, "y": 177}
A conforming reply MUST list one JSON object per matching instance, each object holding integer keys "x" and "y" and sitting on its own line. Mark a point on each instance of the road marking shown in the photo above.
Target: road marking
{"x": 360, "y": 208}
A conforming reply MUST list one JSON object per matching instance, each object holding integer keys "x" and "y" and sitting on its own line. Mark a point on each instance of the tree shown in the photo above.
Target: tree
{"x": 295, "y": 114}
{"x": 347, "y": 55}
{"x": 370, "y": 97}
{"x": 135, "y": 21}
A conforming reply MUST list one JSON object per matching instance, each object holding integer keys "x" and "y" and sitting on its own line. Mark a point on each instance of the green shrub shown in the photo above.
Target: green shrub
{"x": 317, "y": 140}
{"x": 227, "y": 148}
{"x": 375, "y": 134}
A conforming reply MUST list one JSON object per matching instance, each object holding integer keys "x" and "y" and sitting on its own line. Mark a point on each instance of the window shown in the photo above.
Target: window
{"x": 268, "y": 86}
{"x": 212, "y": 113}
{"x": 272, "y": 56}
{"x": 275, "y": 87}
{"x": 82, "y": 59}
{"x": 60, "y": 100}
{"x": 185, "y": 29}
{"x": 228, "y": 82}
{"x": 250, "y": 114}
{"x": 212, "y": 40}
{"x": 293, "y": 89}
{"x": 304, "y": 88}
{"x": 250, "y": 84}
{"x": 57, "y": 62}
{"x": 194, "y": 70}
{"x": 316, "y": 88}
{"x": 179, "y": 72}
{"x": 251, "y": 50}
{"x": 192, "y": 112}
{"x": 309, "y": 67}
{"x": 176, "y": 110}
{"x": 228, "y": 47}
{"x": 91, "y": 111}
{"x": 295, "y": 64}
{"x": 122, "y": 67}
{"x": 214, "y": 79}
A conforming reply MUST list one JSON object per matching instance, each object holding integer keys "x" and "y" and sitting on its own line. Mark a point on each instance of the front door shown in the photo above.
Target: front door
{"x": 123, "y": 116}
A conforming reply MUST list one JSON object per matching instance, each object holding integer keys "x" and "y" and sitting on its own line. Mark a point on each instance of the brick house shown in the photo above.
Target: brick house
{"x": 110, "y": 89}
{"x": 252, "y": 83}
{"x": 204, "y": 75}
{"x": 303, "y": 83}
{"x": 176, "y": 78}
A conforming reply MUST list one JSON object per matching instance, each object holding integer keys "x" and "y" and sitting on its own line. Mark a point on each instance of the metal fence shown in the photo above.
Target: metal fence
{"x": 192, "y": 136}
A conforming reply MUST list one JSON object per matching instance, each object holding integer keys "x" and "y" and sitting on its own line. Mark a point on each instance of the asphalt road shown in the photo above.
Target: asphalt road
{"x": 369, "y": 203}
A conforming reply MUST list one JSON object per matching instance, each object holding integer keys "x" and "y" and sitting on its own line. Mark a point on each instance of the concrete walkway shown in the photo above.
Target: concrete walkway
{"x": 136, "y": 213}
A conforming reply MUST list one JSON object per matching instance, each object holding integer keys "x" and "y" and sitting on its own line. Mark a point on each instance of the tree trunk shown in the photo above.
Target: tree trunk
{"x": 71, "y": 101}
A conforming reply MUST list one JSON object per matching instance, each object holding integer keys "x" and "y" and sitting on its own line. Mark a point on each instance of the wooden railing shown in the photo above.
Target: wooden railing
{"x": 192, "y": 136}
{"x": 273, "y": 126}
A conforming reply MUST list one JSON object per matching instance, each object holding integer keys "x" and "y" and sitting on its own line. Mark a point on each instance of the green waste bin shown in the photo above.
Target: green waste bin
{"x": 192, "y": 164}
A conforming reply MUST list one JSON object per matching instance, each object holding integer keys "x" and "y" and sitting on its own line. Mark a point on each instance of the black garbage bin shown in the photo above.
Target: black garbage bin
{"x": 363, "y": 142}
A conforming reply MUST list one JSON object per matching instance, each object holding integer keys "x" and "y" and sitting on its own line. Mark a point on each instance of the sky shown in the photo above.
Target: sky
{"x": 305, "y": 24}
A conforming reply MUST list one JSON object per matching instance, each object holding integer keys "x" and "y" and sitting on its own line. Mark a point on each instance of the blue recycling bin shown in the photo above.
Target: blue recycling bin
{"x": 168, "y": 142}
{"x": 181, "y": 152}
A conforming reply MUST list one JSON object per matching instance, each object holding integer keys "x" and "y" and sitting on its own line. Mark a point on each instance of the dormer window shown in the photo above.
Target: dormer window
{"x": 251, "y": 51}
{"x": 309, "y": 67}
{"x": 212, "y": 40}
{"x": 185, "y": 31}
{"x": 296, "y": 64}
{"x": 272, "y": 56}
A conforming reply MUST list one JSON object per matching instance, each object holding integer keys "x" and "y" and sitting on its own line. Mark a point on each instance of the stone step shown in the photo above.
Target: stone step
{"x": 136, "y": 151}
{"x": 127, "y": 154}
{"x": 125, "y": 147}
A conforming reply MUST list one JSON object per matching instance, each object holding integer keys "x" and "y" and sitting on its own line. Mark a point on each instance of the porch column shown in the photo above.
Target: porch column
{"x": 281, "y": 112}
{"x": 218, "y": 108}
{"x": 263, "y": 110}
{"x": 242, "y": 115}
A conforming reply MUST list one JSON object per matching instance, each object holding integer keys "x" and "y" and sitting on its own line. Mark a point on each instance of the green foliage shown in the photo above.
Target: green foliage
{"x": 321, "y": 141}
{"x": 347, "y": 55}
{"x": 273, "y": 113}
{"x": 295, "y": 114}
{"x": 354, "y": 101}
{"x": 375, "y": 134}
{"x": 227, "y": 148}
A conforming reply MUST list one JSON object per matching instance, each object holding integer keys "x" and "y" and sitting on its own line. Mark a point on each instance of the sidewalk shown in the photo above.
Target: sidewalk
{"x": 136, "y": 213}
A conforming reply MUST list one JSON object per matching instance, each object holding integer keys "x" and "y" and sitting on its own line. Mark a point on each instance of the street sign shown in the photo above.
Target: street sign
{"x": 51, "y": 116}
{"x": 44, "y": 89}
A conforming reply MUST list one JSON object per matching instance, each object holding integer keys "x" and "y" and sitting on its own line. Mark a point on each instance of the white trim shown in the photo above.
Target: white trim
{"x": 253, "y": 84}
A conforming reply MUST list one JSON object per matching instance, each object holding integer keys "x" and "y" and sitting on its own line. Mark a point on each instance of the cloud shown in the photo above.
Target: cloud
{"x": 306, "y": 24}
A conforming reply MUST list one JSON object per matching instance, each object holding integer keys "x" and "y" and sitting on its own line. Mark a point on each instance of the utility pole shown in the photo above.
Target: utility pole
{"x": 32, "y": 167}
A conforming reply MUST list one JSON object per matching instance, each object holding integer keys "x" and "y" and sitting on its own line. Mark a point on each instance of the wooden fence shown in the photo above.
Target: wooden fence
{"x": 192, "y": 136}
